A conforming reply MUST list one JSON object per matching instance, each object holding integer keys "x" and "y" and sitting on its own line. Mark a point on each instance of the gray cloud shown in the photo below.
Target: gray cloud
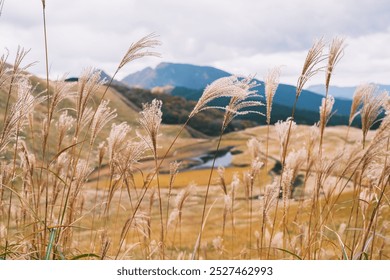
{"x": 245, "y": 36}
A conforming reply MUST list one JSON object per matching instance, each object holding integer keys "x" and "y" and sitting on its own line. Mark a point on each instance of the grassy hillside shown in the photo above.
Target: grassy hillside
{"x": 176, "y": 110}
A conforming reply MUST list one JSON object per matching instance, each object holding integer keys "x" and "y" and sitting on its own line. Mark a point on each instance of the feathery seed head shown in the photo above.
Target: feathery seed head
{"x": 150, "y": 120}
{"x": 65, "y": 121}
{"x": 282, "y": 130}
{"x": 357, "y": 100}
{"x": 62, "y": 91}
{"x": 116, "y": 139}
{"x": 238, "y": 104}
{"x": 310, "y": 66}
{"x": 82, "y": 172}
{"x": 64, "y": 124}
{"x": 286, "y": 183}
{"x": 88, "y": 85}
{"x": 235, "y": 183}
{"x": 336, "y": 51}
{"x": 102, "y": 116}
{"x": 173, "y": 217}
{"x": 139, "y": 49}
{"x": 271, "y": 83}
{"x": 253, "y": 145}
{"x": 221, "y": 178}
{"x": 256, "y": 165}
{"x": 373, "y": 103}
{"x": 365, "y": 198}
{"x": 271, "y": 194}
{"x": 174, "y": 168}
{"x": 173, "y": 171}
{"x": 183, "y": 195}
{"x": 231, "y": 86}
{"x": 130, "y": 153}
{"x": 326, "y": 110}
{"x": 27, "y": 159}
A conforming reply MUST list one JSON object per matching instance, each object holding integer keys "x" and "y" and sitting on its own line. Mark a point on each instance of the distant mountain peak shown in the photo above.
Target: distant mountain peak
{"x": 175, "y": 74}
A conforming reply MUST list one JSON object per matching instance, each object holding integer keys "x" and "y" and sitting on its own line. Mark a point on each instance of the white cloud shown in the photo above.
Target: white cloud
{"x": 244, "y": 36}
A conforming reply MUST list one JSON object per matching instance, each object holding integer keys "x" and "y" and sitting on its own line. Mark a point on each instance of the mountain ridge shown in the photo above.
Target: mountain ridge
{"x": 196, "y": 78}
{"x": 342, "y": 92}
{"x": 175, "y": 74}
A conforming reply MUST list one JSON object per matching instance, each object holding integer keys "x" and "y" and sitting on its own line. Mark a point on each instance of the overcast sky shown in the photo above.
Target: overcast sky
{"x": 239, "y": 36}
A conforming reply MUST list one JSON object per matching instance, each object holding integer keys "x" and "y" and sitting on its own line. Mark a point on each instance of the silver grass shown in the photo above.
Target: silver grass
{"x": 64, "y": 124}
{"x": 86, "y": 118}
{"x": 173, "y": 171}
{"x": 87, "y": 86}
{"x": 221, "y": 179}
{"x": 336, "y": 51}
{"x": 271, "y": 194}
{"x": 271, "y": 83}
{"x": 129, "y": 155}
{"x": 238, "y": 104}
{"x": 325, "y": 111}
{"x": 139, "y": 49}
{"x": 234, "y": 185}
{"x": 183, "y": 195}
{"x": 286, "y": 184}
{"x": 310, "y": 66}
{"x": 150, "y": 119}
{"x": 27, "y": 159}
{"x": 102, "y": 116}
{"x": 295, "y": 161}
{"x": 253, "y": 146}
{"x": 116, "y": 141}
{"x": 4, "y": 70}
{"x": 283, "y": 130}
{"x": 357, "y": 100}
{"x": 372, "y": 107}
{"x": 81, "y": 173}
{"x": 19, "y": 113}
{"x": 230, "y": 86}
{"x": 173, "y": 216}
{"x": 61, "y": 91}
{"x": 17, "y": 70}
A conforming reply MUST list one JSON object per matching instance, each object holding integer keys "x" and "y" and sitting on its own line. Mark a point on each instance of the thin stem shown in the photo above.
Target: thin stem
{"x": 145, "y": 189}
{"x": 207, "y": 192}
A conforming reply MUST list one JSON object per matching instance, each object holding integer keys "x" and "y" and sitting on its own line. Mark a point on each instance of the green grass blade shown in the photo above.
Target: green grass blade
{"x": 50, "y": 245}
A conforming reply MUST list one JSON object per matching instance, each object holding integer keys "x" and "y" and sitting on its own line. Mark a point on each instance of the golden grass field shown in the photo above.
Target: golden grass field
{"x": 86, "y": 175}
